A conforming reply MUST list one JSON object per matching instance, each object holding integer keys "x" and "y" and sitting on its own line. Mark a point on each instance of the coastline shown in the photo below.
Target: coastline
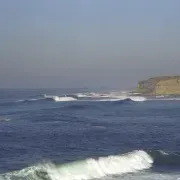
{"x": 159, "y": 86}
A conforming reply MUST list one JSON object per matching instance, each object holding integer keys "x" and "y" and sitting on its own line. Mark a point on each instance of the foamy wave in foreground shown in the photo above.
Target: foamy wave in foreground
{"x": 97, "y": 168}
{"x": 86, "y": 169}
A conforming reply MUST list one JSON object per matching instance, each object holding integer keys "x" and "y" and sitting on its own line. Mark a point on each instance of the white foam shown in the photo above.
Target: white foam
{"x": 163, "y": 152}
{"x": 112, "y": 96}
{"x": 25, "y": 174}
{"x": 92, "y": 95}
{"x": 101, "y": 167}
{"x": 165, "y": 99}
{"x": 86, "y": 169}
{"x": 81, "y": 95}
{"x": 122, "y": 98}
{"x": 137, "y": 98}
{"x": 58, "y": 99}
{"x": 111, "y": 100}
{"x": 161, "y": 96}
{"x": 54, "y": 98}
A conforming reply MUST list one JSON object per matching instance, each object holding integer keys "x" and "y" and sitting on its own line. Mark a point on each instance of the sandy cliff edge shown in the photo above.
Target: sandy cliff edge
{"x": 161, "y": 85}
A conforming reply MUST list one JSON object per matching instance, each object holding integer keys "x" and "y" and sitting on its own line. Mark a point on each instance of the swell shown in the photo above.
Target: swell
{"x": 80, "y": 106}
{"x": 162, "y": 158}
{"x": 126, "y": 101}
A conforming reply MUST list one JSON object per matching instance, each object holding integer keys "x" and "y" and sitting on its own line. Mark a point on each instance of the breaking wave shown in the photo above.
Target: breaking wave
{"x": 93, "y": 168}
{"x": 86, "y": 169}
{"x": 58, "y": 99}
{"x": 138, "y": 98}
{"x": 130, "y": 98}
{"x": 111, "y": 96}
{"x": 92, "y": 95}
{"x": 49, "y": 97}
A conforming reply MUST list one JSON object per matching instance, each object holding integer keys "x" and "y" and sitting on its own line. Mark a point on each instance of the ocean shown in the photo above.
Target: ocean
{"x": 75, "y": 134}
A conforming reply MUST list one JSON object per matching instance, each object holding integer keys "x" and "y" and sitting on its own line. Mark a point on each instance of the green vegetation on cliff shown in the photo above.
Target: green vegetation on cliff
{"x": 163, "y": 85}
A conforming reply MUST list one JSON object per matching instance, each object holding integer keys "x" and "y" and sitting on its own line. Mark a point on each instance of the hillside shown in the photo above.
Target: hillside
{"x": 162, "y": 85}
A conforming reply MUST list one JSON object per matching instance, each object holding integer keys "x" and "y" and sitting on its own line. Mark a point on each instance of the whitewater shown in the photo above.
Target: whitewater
{"x": 99, "y": 96}
{"x": 87, "y": 169}
{"x": 87, "y": 97}
{"x": 83, "y": 135}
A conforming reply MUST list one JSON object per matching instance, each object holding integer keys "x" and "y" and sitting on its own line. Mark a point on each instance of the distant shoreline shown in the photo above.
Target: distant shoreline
{"x": 160, "y": 85}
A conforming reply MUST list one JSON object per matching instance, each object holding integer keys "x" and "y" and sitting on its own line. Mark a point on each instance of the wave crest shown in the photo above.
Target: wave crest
{"x": 58, "y": 99}
{"x": 130, "y": 98}
{"x": 132, "y": 162}
{"x": 49, "y": 97}
{"x": 163, "y": 158}
{"x": 87, "y": 169}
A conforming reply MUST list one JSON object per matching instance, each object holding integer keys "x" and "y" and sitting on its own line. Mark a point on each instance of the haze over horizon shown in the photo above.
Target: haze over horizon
{"x": 104, "y": 43}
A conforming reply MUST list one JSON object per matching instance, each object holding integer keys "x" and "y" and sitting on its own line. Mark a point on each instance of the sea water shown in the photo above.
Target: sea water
{"x": 74, "y": 134}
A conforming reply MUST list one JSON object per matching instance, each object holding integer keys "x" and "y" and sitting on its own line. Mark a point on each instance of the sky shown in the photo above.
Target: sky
{"x": 87, "y": 43}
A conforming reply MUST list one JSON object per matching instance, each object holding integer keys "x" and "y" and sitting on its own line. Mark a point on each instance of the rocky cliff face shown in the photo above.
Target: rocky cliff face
{"x": 164, "y": 85}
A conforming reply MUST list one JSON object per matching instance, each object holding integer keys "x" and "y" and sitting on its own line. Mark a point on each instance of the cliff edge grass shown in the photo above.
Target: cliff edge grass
{"x": 162, "y": 85}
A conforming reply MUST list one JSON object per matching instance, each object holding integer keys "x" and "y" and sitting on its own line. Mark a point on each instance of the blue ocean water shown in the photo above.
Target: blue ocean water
{"x": 69, "y": 134}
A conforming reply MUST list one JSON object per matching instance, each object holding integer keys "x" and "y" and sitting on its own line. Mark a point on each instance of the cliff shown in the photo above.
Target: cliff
{"x": 163, "y": 85}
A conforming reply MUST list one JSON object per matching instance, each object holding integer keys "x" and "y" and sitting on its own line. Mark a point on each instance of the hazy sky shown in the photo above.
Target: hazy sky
{"x": 87, "y": 43}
